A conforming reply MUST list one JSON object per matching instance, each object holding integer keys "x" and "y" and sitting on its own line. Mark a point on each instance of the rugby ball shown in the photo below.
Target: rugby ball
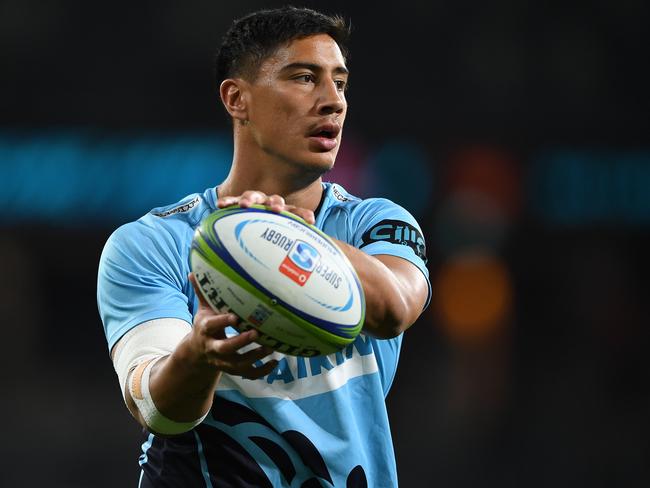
{"x": 280, "y": 275}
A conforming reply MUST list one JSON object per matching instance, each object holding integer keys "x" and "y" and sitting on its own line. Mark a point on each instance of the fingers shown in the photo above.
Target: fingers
{"x": 245, "y": 200}
{"x": 249, "y": 198}
{"x": 221, "y": 351}
{"x": 214, "y": 324}
{"x": 253, "y": 372}
{"x": 275, "y": 202}
{"x": 227, "y": 201}
{"x": 235, "y": 343}
{"x": 305, "y": 214}
{"x": 244, "y": 364}
{"x": 202, "y": 301}
{"x": 253, "y": 355}
{"x": 228, "y": 360}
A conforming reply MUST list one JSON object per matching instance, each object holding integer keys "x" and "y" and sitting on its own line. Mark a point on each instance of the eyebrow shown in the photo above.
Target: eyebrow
{"x": 314, "y": 67}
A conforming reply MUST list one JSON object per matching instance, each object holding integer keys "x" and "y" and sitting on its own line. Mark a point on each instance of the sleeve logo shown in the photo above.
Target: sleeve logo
{"x": 396, "y": 232}
{"x": 180, "y": 209}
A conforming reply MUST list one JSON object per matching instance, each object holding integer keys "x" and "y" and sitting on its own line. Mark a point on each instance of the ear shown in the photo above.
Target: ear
{"x": 233, "y": 96}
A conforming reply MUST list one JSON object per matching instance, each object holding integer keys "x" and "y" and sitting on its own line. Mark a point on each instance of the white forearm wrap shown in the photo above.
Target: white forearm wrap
{"x": 157, "y": 422}
{"x": 135, "y": 355}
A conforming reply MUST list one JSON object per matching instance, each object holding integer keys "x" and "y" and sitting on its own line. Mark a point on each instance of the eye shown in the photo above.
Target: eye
{"x": 307, "y": 78}
{"x": 341, "y": 85}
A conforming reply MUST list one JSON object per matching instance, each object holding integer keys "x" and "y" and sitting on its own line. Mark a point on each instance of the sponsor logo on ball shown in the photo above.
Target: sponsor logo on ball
{"x": 300, "y": 262}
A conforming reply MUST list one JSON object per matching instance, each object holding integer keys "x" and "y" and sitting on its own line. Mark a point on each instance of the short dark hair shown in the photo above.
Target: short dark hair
{"x": 255, "y": 37}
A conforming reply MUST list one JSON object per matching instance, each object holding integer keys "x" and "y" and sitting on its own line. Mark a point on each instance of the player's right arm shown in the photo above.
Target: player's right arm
{"x": 181, "y": 384}
{"x": 168, "y": 359}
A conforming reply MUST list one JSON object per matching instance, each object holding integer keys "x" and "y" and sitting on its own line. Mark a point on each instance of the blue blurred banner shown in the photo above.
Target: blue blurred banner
{"x": 72, "y": 177}
{"x": 88, "y": 177}
{"x": 77, "y": 177}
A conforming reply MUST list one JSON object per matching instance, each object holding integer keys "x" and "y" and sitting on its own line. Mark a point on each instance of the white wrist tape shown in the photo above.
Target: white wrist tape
{"x": 157, "y": 422}
{"x": 147, "y": 341}
{"x": 133, "y": 357}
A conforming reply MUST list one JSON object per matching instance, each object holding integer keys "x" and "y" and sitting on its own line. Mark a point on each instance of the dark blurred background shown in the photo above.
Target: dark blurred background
{"x": 516, "y": 132}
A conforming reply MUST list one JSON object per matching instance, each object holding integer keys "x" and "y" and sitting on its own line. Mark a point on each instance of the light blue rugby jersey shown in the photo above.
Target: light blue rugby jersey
{"x": 317, "y": 421}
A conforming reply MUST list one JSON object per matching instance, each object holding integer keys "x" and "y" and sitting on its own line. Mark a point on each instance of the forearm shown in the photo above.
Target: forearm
{"x": 180, "y": 385}
{"x": 171, "y": 387}
{"x": 387, "y": 309}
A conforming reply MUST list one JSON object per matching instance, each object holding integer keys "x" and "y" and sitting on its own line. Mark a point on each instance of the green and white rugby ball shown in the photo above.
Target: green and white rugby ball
{"x": 280, "y": 275}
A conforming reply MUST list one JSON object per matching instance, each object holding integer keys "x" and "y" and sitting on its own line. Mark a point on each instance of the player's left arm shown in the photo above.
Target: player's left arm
{"x": 395, "y": 290}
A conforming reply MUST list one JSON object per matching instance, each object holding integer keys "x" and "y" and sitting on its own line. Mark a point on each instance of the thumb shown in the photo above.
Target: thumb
{"x": 197, "y": 290}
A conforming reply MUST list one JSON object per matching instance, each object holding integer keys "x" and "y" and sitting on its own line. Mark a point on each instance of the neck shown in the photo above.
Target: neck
{"x": 297, "y": 186}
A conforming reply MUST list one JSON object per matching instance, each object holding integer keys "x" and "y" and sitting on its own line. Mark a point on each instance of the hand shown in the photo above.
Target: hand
{"x": 215, "y": 350}
{"x": 275, "y": 202}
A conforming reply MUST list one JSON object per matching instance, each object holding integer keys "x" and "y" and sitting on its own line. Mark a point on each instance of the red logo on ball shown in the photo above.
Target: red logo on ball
{"x": 299, "y": 263}
{"x": 289, "y": 268}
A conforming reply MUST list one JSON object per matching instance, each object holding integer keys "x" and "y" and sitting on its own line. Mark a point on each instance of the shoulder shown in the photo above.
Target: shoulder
{"x": 364, "y": 212}
{"x": 163, "y": 231}
{"x": 187, "y": 212}
{"x": 187, "y": 209}
{"x": 338, "y": 197}
{"x": 372, "y": 224}
{"x": 175, "y": 219}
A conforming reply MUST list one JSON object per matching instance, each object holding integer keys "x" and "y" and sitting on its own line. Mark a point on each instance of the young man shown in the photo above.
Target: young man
{"x": 223, "y": 411}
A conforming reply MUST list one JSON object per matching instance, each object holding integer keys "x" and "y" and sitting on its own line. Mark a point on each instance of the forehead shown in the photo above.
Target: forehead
{"x": 319, "y": 49}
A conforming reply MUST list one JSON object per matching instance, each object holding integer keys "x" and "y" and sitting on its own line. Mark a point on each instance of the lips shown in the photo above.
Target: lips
{"x": 323, "y": 136}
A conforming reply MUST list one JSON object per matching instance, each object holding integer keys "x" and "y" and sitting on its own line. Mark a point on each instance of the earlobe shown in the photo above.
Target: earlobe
{"x": 233, "y": 98}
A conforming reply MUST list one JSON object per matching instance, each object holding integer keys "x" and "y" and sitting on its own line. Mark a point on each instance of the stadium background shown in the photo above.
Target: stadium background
{"x": 516, "y": 132}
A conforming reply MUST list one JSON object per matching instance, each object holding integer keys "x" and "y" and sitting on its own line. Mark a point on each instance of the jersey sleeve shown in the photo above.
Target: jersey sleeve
{"x": 141, "y": 277}
{"x": 383, "y": 227}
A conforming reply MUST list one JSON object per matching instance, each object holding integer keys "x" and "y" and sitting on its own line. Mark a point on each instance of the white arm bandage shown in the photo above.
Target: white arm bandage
{"x": 134, "y": 356}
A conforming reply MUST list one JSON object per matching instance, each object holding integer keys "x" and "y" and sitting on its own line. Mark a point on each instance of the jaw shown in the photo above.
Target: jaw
{"x": 308, "y": 159}
{"x": 323, "y": 160}
{"x": 310, "y": 165}
{"x": 294, "y": 161}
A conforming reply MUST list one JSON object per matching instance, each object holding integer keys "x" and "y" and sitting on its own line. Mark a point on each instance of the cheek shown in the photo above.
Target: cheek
{"x": 286, "y": 111}
{"x": 290, "y": 103}
{"x": 282, "y": 116}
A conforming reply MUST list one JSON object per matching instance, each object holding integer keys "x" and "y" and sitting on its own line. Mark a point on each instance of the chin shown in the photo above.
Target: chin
{"x": 319, "y": 163}
{"x": 323, "y": 165}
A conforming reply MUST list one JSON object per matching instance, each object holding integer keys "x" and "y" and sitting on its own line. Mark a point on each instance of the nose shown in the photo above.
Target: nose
{"x": 331, "y": 100}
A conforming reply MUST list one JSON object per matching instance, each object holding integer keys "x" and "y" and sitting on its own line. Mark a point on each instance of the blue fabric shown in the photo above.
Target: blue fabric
{"x": 311, "y": 420}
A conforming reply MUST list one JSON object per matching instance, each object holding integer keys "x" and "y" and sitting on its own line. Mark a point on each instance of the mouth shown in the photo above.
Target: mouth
{"x": 323, "y": 137}
{"x": 328, "y": 130}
